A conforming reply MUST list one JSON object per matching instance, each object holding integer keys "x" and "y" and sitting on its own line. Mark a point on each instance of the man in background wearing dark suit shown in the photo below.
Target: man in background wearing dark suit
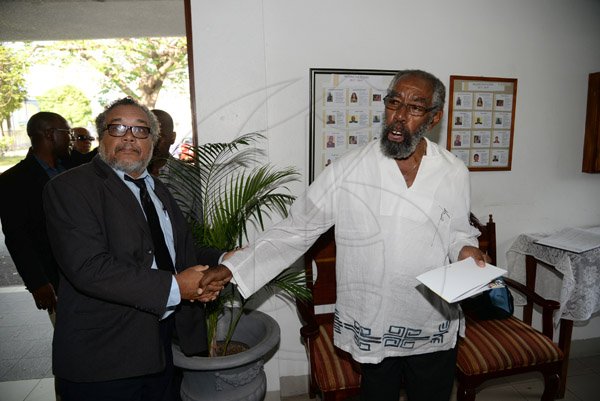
{"x": 165, "y": 140}
{"x": 160, "y": 166}
{"x": 119, "y": 291}
{"x": 82, "y": 147}
{"x": 21, "y": 210}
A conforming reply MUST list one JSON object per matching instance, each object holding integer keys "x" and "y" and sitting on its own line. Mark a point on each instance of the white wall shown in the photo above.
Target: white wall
{"x": 252, "y": 59}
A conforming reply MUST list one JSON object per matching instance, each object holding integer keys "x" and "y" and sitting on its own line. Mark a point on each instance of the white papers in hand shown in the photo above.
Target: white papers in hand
{"x": 460, "y": 280}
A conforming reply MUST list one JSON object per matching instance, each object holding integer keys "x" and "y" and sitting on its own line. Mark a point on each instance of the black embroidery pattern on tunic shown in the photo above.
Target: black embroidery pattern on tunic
{"x": 396, "y": 336}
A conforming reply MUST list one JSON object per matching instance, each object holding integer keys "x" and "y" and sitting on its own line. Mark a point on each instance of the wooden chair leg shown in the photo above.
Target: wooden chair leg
{"x": 465, "y": 394}
{"x": 328, "y": 397}
{"x": 312, "y": 389}
{"x": 566, "y": 331}
{"x": 551, "y": 384}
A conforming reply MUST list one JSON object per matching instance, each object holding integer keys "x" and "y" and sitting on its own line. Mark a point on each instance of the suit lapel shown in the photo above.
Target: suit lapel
{"x": 121, "y": 192}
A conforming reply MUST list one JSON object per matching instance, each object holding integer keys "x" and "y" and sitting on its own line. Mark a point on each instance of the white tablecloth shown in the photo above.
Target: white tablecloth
{"x": 574, "y": 282}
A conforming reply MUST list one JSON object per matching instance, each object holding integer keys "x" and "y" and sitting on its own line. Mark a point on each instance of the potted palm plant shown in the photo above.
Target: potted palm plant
{"x": 222, "y": 196}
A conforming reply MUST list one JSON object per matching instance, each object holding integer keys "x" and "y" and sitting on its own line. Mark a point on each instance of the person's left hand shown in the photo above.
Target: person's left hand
{"x": 473, "y": 252}
{"x": 45, "y": 297}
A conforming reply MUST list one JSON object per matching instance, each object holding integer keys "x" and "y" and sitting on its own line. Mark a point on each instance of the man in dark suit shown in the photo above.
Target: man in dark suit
{"x": 21, "y": 210}
{"x": 165, "y": 140}
{"x": 82, "y": 147}
{"x": 161, "y": 166}
{"x": 125, "y": 252}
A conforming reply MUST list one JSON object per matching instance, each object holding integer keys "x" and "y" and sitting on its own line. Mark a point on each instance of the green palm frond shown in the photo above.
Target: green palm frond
{"x": 223, "y": 193}
{"x": 293, "y": 283}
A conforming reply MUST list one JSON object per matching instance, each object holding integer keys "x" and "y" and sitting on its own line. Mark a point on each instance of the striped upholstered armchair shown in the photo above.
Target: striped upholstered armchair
{"x": 333, "y": 373}
{"x": 492, "y": 348}
{"x": 500, "y": 348}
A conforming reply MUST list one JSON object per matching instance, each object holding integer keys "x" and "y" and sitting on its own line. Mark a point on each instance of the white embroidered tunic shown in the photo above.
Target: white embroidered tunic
{"x": 386, "y": 234}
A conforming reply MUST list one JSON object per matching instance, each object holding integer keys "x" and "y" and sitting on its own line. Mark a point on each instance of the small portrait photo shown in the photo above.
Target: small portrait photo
{"x": 330, "y": 119}
{"x": 330, "y": 141}
{"x": 457, "y": 140}
{"x": 329, "y": 97}
{"x": 377, "y": 97}
{"x": 352, "y": 140}
{"x": 353, "y": 97}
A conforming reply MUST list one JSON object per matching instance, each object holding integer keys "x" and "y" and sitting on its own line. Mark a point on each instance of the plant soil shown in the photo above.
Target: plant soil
{"x": 234, "y": 347}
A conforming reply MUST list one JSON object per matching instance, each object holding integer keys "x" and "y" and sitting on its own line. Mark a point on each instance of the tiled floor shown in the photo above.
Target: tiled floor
{"x": 25, "y": 372}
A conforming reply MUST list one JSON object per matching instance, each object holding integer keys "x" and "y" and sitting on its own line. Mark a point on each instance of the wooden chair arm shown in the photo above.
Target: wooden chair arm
{"x": 548, "y": 306}
{"x": 531, "y": 295}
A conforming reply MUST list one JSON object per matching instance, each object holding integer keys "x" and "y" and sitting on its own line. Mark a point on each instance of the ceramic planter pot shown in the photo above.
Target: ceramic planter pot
{"x": 233, "y": 377}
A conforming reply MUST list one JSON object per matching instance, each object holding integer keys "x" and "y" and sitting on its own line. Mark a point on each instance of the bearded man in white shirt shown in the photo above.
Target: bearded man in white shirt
{"x": 400, "y": 207}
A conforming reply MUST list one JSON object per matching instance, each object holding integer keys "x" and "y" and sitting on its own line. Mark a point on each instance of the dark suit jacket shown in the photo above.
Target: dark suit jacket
{"x": 110, "y": 299}
{"x": 24, "y": 223}
{"x": 77, "y": 158}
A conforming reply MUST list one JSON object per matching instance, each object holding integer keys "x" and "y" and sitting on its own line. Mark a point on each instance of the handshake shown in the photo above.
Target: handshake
{"x": 202, "y": 283}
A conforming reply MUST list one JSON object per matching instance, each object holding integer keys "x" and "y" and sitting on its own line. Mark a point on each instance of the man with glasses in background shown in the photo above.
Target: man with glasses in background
{"x": 138, "y": 266}
{"x": 166, "y": 139}
{"x": 400, "y": 206}
{"x": 82, "y": 147}
{"x": 21, "y": 209}
{"x": 82, "y": 140}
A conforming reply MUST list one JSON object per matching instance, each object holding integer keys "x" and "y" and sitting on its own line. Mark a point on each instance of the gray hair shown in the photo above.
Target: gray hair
{"x": 439, "y": 90}
{"x": 127, "y": 101}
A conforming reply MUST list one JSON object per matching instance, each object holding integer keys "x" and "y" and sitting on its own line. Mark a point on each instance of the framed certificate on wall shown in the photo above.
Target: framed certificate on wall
{"x": 346, "y": 111}
{"x": 481, "y": 120}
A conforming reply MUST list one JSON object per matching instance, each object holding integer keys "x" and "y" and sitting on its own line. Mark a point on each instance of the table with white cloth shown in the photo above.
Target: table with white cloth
{"x": 571, "y": 278}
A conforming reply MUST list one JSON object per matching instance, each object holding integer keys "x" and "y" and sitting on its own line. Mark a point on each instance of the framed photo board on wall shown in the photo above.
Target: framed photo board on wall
{"x": 481, "y": 120}
{"x": 346, "y": 111}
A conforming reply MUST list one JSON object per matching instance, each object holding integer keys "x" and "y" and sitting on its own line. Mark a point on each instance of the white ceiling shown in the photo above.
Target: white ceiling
{"x": 22, "y": 20}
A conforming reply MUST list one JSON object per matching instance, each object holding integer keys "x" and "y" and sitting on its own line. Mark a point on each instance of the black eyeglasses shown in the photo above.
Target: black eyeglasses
{"x": 392, "y": 103}
{"x": 139, "y": 132}
{"x": 84, "y": 138}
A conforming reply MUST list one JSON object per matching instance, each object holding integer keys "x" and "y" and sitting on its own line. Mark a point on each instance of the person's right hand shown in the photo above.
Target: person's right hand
{"x": 214, "y": 281}
{"x": 189, "y": 282}
{"x": 45, "y": 297}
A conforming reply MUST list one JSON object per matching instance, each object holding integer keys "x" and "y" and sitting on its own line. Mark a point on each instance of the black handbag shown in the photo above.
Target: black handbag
{"x": 495, "y": 303}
